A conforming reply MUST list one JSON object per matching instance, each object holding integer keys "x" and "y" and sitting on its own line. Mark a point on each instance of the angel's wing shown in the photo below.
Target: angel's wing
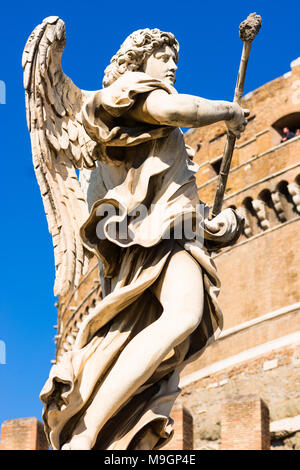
{"x": 59, "y": 146}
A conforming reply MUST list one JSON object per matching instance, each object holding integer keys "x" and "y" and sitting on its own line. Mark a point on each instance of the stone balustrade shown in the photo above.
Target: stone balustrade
{"x": 264, "y": 208}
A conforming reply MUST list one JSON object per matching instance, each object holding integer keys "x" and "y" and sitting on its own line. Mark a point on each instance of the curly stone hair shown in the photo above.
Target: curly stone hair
{"x": 135, "y": 50}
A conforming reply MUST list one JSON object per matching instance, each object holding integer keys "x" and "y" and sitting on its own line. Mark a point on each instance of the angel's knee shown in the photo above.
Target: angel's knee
{"x": 181, "y": 324}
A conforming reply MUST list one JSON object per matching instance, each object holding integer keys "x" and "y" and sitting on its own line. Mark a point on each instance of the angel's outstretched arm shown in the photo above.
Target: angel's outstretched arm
{"x": 189, "y": 111}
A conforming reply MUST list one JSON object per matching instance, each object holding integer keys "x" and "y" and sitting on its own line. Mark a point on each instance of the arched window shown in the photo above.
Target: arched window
{"x": 291, "y": 121}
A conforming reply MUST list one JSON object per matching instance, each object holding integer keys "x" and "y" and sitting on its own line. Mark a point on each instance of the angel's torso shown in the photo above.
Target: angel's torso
{"x": 165, "y": 161}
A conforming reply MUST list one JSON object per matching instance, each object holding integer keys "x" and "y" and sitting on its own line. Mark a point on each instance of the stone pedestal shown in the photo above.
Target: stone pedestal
{"x": 183, "y": 430}
{"x": 245, "y": 424}
{"x": 23, "y": 434}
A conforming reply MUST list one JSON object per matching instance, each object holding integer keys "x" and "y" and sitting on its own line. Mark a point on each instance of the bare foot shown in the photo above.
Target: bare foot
{"x": 66, "y": 446}
{"x": 81, "y": 442}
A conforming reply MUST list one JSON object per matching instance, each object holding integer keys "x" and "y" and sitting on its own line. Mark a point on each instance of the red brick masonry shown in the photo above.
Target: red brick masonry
{"x": 183, "y": 430}
{"x": 23, "y": 434}
{"x": 245, "y": 424}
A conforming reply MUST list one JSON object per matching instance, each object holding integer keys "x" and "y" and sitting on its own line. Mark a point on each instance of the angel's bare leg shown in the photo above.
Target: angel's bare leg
{"x": 180, "y": 291}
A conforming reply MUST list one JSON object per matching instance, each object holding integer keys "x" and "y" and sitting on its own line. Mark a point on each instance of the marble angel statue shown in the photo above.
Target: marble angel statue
{"x": 159, "y": 307}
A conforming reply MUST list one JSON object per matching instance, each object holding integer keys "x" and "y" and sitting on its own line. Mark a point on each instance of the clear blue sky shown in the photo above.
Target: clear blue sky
{"x": 209, "y": 57}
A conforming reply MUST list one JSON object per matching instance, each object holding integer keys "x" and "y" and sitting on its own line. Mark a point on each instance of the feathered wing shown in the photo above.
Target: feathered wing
{"x": 59, "y": 146}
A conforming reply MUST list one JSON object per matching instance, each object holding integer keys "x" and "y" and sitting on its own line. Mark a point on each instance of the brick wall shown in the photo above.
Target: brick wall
{"x": 23, "y": 434}
{"x": 274, "y": 376}
{"x": 183, "y": 430}
{"x": 245, "y": 424}
{"x": 267, "y": 104}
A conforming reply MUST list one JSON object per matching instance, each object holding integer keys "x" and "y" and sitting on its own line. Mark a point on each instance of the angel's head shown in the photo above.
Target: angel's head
{"x": 147, "y": 50}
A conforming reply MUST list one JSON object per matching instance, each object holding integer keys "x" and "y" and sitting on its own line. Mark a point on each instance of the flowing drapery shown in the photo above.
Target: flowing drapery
{"x": 142, "y": 168}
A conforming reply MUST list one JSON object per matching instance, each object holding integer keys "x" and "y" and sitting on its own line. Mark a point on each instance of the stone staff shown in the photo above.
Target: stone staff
{"x": 248, "y": 30}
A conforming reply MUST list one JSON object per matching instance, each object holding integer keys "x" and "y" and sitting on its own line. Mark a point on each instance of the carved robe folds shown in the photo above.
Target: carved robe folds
{"x": 147, "y": 165}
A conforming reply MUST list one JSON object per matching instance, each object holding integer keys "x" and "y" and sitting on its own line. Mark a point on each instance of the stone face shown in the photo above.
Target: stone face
{"x": 23, "y": 434}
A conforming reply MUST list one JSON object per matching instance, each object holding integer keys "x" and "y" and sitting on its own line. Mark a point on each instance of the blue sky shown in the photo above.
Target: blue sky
{"x": 209, "y": 56}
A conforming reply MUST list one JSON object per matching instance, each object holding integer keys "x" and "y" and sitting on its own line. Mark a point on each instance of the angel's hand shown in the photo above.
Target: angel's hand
{"x": 238, "y": 122}
{"x": 214, "y": 225}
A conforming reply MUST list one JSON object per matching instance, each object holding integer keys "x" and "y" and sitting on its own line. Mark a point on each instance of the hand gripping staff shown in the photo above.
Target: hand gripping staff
{"x": 248, "y": 30}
